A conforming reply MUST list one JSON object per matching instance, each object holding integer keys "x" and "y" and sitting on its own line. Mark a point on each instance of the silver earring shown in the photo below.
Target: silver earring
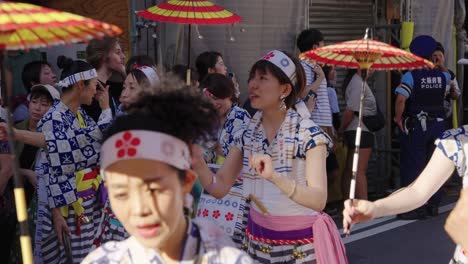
{"x": 283, "y": 103}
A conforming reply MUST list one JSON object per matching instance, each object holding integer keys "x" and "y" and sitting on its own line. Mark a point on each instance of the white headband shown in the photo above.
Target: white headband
{"x": 150, "y": 73}
{"x": 282, "y": 61}
{"x": 81, "y": 76}
{"x": 144, "y": 144}
{"x": 54, "y": 93}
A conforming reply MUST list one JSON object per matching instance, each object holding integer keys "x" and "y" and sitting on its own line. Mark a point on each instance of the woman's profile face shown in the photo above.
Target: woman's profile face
{"x": 116, "y": 59}
{"x": 220, "y": 67}
{"x": 130, "y": 92}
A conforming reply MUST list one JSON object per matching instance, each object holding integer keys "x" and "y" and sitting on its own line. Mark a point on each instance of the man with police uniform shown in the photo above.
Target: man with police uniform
{"x": 419, "y": 112}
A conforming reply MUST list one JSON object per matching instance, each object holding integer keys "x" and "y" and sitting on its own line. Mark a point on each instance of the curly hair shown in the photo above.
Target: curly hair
{"x": 182, "y": 113}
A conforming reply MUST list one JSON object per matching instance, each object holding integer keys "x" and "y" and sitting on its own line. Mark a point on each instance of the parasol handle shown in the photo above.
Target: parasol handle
{"x": 20, "y": 198}
{"x": 357, "y": 142}
{"x": 188, "y": 53}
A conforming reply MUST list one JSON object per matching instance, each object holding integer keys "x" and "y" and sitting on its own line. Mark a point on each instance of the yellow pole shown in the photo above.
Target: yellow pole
{"x": 454, "y": 114}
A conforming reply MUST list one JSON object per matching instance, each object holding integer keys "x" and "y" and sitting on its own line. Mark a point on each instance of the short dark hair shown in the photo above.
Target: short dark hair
{"x": 439, "y": 47}
{"x": 31, "y": 73}
{"x": 40, "y": 92}
{"x": 308, "y": 38}
{"x": 205, "y": 61}
{"x": 264, "y": 66}
{"x": 138, "y": 61}
{"x": 220, "y": 86}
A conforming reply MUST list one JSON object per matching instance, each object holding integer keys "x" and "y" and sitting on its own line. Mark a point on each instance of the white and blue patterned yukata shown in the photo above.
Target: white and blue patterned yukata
{"x": 70, "y": 147}
{"x": 204, "y": 243}
{"x": 454, "y": 145}
{"x": 236, "y": 122}
{"x": 297, "y": 135}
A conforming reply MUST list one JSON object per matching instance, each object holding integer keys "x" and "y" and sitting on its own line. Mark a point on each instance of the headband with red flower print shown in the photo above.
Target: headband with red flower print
{"x": 282, "y": 61}
{"x": 144, "y": 144}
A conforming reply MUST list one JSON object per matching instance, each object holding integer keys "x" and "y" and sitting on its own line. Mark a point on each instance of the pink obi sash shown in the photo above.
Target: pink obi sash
{"x": 299, "y": 229}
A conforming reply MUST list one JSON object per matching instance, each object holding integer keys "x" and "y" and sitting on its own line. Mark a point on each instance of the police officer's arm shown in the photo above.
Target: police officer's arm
{"x": 399, "y": 107}
{"x": 403, "y": 92}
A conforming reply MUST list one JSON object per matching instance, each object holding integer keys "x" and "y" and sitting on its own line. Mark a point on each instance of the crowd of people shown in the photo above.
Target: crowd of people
{"x": 155, "y": 170}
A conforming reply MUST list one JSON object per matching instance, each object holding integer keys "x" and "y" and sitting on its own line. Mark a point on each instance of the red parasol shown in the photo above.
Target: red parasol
{"x": 364, "y": 54}
{"x": 191, "y": 12}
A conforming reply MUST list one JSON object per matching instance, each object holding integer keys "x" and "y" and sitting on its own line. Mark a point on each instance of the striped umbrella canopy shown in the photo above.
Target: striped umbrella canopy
{"x": 191, "y": 12}
{"x": 25, "y": 26}
{"x": 365, "y": 54}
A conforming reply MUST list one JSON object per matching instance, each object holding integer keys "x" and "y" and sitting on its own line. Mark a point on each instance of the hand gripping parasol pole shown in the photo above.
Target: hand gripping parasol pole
{"x": 20, "y": 198}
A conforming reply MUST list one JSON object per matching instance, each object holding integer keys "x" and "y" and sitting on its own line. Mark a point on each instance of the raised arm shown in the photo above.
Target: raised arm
{"x": 436, "y": 173}
{"x": 220, "y": 183}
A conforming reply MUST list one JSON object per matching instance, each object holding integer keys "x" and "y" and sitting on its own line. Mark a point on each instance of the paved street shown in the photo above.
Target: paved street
{"x": 389, "y": 240}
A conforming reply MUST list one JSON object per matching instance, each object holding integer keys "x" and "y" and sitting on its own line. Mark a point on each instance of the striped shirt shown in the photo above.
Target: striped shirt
{"x": 321, "y": 115}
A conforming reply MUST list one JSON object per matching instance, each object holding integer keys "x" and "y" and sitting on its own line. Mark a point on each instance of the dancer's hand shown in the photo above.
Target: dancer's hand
{"x": 456, "y": 225}
{"x": 359, "y": 211}
{"x": 60, "y": 225}
{"x": 263, "y": 165}
{"x": 102, "y": 96}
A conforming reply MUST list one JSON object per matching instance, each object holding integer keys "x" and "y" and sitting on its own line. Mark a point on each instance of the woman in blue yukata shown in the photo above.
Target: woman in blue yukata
{"x": 233, "y": 120}
{"x": 146, "y": 165}
{"x": 282, "y": 159}
{"x": 221, "y": 92}
{"x": 450, "y": 154}
{"x": 71, "y": 194}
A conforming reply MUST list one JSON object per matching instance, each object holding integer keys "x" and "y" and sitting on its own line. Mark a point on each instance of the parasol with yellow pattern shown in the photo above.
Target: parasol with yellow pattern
{"x": 365, "y": 54}
{"x": 23, "y": 27}
{"x": 191, "y": 12}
